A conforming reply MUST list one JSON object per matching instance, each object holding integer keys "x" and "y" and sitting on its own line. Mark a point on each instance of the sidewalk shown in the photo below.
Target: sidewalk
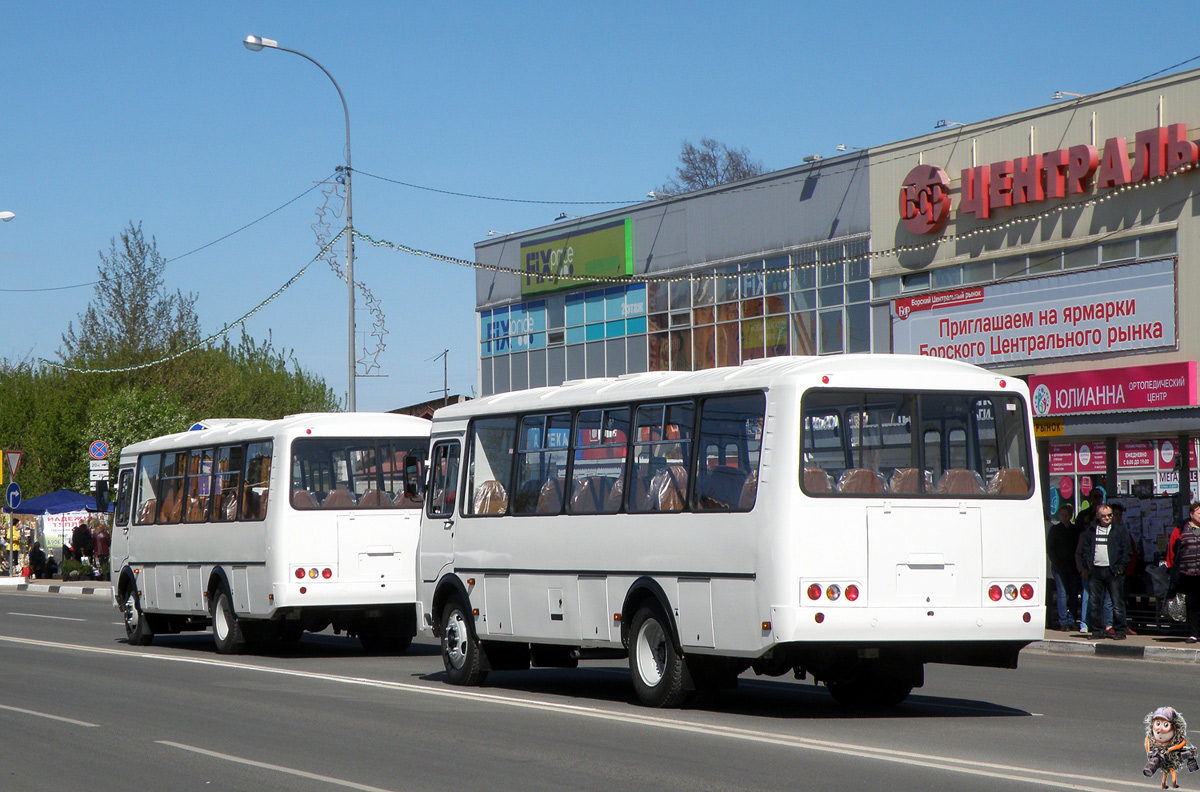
{"x": 73, "y": 587}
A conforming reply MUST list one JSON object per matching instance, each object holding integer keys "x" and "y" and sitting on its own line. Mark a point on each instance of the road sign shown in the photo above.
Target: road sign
{"x": 98, "y": 464}
{"x": 13, "y": 458}
{"x": 12, "y": 495}
{"x": 98, "y": 449}
{"x": 98, "y": 475}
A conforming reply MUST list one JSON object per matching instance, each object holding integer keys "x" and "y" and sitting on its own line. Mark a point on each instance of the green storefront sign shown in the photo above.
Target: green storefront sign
{"x": 573, "y": 258}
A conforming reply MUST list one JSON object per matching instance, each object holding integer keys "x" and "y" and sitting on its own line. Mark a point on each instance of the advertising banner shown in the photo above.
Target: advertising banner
{"x": 600, "y": 251}
{"x": 1090, "y": 312}
{"x": 1115, "y": 389}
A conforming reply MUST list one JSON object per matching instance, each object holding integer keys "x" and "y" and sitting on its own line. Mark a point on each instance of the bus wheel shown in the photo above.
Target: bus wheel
{"x": 865, "y": 692}
{"x": 656, "y": 667}
{"x": 137, "y": 628}
{"x": 461, "y": 653}
{"x": 226, "y": 629}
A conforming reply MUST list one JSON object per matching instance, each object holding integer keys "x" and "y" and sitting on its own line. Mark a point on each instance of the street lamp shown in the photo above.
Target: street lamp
{"x": 254, "y": 44}
{"x": 6, "y": 216}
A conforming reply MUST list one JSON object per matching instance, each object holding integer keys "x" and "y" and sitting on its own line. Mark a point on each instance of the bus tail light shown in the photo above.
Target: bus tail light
{"x": 833, "y": 591}
{"x": 312, "y": 573}
{"x": 1026, "y": 591}
{"x": 327, "y": 573}
{"x": 851, "y": 592}
{"x": 814, "y": 591}
{"x": 1010, "y": 592}
{"x": 995, "y": 593}
{"x": 299, "y": 573}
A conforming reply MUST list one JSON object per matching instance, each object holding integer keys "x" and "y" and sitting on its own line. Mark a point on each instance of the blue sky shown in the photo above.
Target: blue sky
{"x": 156, "y": 113}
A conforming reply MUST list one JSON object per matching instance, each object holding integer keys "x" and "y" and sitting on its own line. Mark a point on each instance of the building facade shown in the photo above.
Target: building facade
{"x": 1060, "y": 244}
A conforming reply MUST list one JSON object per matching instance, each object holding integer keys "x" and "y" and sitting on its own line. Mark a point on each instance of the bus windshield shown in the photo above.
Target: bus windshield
{"x": 362, "y": 473}
{"x": 932, "y": 444}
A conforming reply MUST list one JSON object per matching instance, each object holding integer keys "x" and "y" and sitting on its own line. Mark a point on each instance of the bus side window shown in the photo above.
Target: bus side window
{"x": 258, "y": 481}
{"x": 662, "y": 455}
{"x": 443, "y": 482}
{"x": 489, "y": 471}
{"x": 731, "y": 434}
{"x": 124, "y": 497}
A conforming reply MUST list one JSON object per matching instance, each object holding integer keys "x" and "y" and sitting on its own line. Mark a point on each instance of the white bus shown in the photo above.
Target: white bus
{"x": 852, "y": 517}
{"x": 265, "y": 529}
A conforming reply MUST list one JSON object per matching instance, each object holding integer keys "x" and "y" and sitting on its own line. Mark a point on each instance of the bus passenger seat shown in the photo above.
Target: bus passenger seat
{"x": 749, "y": 491}
{"x": 959, "y": 481}
{"x": 669, "y": 488}
{"x": 490, "y": 498}
{"x": 172, "y": 508}
{"x": 817, "y": 481}
{"x": 907, "y": 481}
{"x": 1008, "y": 481}
{"x": 720, "y": 487}
{"x": 550, "y": 498}
{"x": 374, "y": 499}
{"x": 587, "y": 495}
{"x": 615, "y": 496}
{"x": 303, "y": 499}
{"x": 146, "y": 515}
{"x": 338, "y": 499}
{"x": 861, "y": 481}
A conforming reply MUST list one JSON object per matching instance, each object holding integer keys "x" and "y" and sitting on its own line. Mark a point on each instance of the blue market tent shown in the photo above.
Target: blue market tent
{"x": 56, "y": 503}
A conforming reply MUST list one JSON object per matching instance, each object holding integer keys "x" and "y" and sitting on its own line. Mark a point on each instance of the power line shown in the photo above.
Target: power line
{"x": 493, "y": 197}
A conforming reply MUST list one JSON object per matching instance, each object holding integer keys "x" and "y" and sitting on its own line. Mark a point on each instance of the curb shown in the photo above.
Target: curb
{"x": 1162, "y": 654}
{"x": 76, "y": 590}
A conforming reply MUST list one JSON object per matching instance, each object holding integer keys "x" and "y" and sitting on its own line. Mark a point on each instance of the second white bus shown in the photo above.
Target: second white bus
{"x": 850, "y": 517}
{"x": 264, "y": 529}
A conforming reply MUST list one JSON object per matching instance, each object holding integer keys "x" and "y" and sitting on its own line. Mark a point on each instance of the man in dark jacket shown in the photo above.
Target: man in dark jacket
{"x": 1106, "y": 552}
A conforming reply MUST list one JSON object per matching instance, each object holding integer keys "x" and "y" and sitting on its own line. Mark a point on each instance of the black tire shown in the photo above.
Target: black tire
{"x": 290, "y": 631}
{"x": 865, "y": 691}
{"x": 380, "y": 640}
{"x": 226, "y": 627}
{"x": 137, "y": 627}
{"x": 461, "y": 652}
{"x": 654, "y": 663}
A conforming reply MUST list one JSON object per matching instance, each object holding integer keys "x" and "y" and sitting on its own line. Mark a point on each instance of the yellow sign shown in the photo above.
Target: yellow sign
{"x": 1047, "y": 427}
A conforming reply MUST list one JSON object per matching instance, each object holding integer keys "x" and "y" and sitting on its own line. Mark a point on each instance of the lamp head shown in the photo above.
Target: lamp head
{"x": 6, "y": 216}
{"x": 255, "y": 43}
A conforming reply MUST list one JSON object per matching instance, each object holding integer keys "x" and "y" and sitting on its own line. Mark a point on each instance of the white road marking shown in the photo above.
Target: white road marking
{"x": 41, "y": 616}
{"x": 277, "y": 768}
{"x": 51, "y": 717}
{"x": 1059, "y": 777}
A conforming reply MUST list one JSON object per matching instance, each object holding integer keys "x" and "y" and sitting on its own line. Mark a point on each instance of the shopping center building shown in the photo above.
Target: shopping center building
{"x": 1060, "y": 244}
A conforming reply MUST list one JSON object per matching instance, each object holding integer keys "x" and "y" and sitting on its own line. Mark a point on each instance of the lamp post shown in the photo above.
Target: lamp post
{"x": 254, "y": 44}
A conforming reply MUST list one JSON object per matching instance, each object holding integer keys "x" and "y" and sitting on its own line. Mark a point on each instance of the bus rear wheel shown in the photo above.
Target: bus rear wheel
{"x": 461, "y": 652}
{"x": 654, "y": 663}
{"x": 137, "y": 629}
{"x": 226, "y": 628}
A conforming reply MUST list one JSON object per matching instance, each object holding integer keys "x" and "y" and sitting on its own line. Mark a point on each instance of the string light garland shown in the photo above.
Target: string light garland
{"x": 206, "y": 341}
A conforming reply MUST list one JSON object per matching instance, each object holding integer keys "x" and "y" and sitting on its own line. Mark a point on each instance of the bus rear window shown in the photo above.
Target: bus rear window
{"x": 955, "y": 445}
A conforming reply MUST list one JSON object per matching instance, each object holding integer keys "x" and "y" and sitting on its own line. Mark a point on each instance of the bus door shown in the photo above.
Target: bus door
{"x": 119, "y": 543}
{"x": 437, "y": 529}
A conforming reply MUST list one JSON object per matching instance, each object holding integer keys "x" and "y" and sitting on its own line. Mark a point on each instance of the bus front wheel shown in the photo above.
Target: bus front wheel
{"x": 137, "y": 629}
{"x": 656, "y": 666}
{"x": 226, "y": 628}
{"x": 461, "y": 652}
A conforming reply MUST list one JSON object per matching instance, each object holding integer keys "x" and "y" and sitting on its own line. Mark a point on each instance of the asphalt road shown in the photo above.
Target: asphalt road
{"x": 80, "y": 709}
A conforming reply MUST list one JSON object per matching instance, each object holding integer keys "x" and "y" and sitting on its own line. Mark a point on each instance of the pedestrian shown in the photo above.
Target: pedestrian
{"x": 1183, "y": 565}
{"x": 1106, "y": 554}
{"x": 100, "y": 545}
{"x": 1084, "y": 523}
{"x": 1060, "y": 547}
{"x": 37, "y": 561}
{"x": 77, "y": 540}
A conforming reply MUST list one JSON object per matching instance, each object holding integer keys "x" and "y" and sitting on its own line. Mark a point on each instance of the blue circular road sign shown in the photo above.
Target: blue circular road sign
{"x": 12, "y": 495}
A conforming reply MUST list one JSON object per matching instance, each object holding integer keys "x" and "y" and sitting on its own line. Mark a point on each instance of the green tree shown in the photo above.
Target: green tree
{"x": 129, "y": 416}
{"x": 707, "y": 165}
{"x": 132, "y": 318}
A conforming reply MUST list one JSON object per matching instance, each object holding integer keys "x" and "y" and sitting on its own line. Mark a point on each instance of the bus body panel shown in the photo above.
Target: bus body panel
{"x": 736, "y": 584}
{"x": 274, "y": 566}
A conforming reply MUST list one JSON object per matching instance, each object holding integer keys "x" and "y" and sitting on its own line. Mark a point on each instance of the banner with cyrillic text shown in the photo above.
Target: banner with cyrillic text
{"x": 1115, "y": 309}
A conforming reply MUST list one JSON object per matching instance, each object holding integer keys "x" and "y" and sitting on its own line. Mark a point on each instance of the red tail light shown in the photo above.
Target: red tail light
{"x": 995, "y": 592}
{"x": 1026, "y": 591}
{"x": 299, "y": 574}
{"x": 852, "y": 592}
{"x": 814, "y": 591}
{"x": 328, "y": 573}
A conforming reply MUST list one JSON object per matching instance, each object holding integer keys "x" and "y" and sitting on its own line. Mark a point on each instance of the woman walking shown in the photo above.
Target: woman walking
{"x": 1183, "y": 562}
